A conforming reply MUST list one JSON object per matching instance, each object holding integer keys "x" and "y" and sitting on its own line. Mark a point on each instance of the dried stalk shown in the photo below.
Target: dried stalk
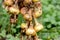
{"x": 35, "y": 37}
{"x": 21, "y": 38}
{"x": 29, "y": 37}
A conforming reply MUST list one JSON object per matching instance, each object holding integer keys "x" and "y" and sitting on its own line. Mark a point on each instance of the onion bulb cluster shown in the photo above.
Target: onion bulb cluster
{"x": 30, "y": 10}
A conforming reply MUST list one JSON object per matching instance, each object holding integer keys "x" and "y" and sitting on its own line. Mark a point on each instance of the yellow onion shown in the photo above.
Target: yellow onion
{"x": 27, "y": 1}
{"x": 35, "y": 0}
{"x": 8, "y": 2}
{"x": 23, "y": 10}
{"x": 13, "y": 10}
{"x": 27, "y": 17}
{"x": 37, "y": 26}
{"x": 37, "y": 13}
{"x": 24, "y": 25}
{"x": 38, "y": 5}
{"x": 30, "y": 31}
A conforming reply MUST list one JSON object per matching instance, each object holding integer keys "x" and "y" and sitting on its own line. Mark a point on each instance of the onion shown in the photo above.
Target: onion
{"x": 8, "y": 2}
{"x": 35, "y": 0}
{"x": 30, "y": 30}
{"x": 27, "y": 17}
{"x": 37, "y": 26}
{"x": 27, "y": 1}
{"x": 13, "y": 10}
{"x": 23, "y": 10}
{"x": 24, "y": 25}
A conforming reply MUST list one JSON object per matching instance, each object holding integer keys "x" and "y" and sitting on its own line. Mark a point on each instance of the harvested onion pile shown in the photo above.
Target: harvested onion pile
{"x": 30, "y": 9}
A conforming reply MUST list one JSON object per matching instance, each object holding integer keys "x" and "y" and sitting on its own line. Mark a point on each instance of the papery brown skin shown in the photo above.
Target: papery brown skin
{"x": 23, "y": 10}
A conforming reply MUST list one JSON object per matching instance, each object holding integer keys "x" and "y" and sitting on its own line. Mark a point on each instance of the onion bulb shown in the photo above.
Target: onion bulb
{"x": 24, "y": 25}
{"x": 28, "y": 1}
{"x": 13, "y": 10}
{"x": 38, "y": 4}
{"x": 23, "y": 10}
{"x": 8, "y": 2}
{"x": 27, "y": 17}
{"x": 37, "y": 26}
{"x": 30, "y": 30}
{"x": 37, "y": 13}
{"x": 35, "y": 0}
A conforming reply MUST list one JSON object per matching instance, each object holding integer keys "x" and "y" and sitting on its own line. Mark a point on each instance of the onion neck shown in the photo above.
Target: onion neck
{"x": 36, "y": 23}
{"x": 31, "y": 25}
